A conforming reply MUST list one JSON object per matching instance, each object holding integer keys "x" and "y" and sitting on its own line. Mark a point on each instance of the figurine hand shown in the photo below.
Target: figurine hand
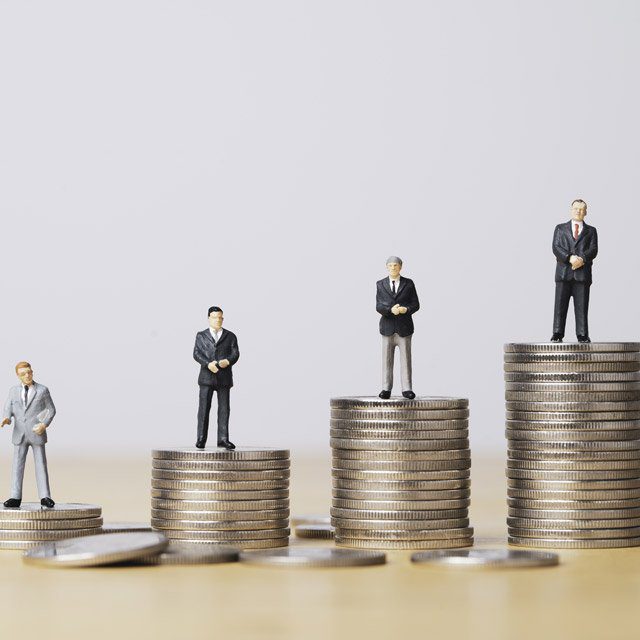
{"x": 213, "y": 367}
{"x": 5, "y": 421}
{"x": 395, "y": 309}
{"x": 403, "y": 310}
{"x": 39, "y": 428}
{"x": 578, "y": 263}
{"x": 223, "y": 363}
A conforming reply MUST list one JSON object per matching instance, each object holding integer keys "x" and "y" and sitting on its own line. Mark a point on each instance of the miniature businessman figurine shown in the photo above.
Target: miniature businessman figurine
{"x": 575, "y": 245}
{"x": 216, "y": 351}
{"x": 32, "y": 410}
{"x": 396, "y": 302}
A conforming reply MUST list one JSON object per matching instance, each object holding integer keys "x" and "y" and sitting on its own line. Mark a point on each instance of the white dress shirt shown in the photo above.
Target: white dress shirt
{"x": 215, "y": 334}
{"x": 573, "y": 227}
{"x": 391, "y": 281}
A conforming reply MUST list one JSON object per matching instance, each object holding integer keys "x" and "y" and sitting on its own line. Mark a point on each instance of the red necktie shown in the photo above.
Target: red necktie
{"x": 575, "y": 232}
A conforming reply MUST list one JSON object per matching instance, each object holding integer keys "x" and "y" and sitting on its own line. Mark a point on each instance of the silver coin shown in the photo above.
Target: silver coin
{"x": 229, "y": 497}
{"x": 574, "y": 485}
{"x": 51, "y": 525}
{"x": 417, "y": 466}
{"x": 223, "y": 467}
{"x": 570, "y": 357}
{"x": 177, "y": 554}
{"x": 551, "y": 347}
{"x": 227, "y": 508}
{"x": 577, "y": 446}
{"x": 572, "y": 435}
{"x": 400, "y": 525}
{"x": 413, "y": 514}
{"x": 126, "y": 527}
{"x": 574, "y": 514}
{"x": 367, "y": 494}
{"x": 240, "y": 453}
{"x": 574, "y": 465}
{"x": 574, "y": 456}
{"x": 315, "y": 531}
{"x": 97, "y": 550}
{"x": 401, "y": 534}
{"x": 574, "y": 416}
{"x": 297, "y": 520}
{"x": 15, "y": 545}
{"x": 231, "y": 478}
{"x": 569, "y": 425}
{"x": 399, "y": 425}
{"x": 571, "y": 388}
{"x": 35, "y": 511}
{"x": 399, "y": 414}
{"x": 314, "y": 557}
{"x": 570, "y": 367}
{"x": 399, "y": 445}
{"x": 544, "y": 505}
{"x": 551, "y": 543}
{"x": 222, "y": 536}
{"x": 530, "y": 474}
{"x": 269, "y": 543}
{"x": 580, "y": 407}
{"x": 224, "y": 525}
{"x": 575, "y": 534}
{"x": 406, "y": 485}
{"x": 609, "y": 494}
{"x": 49, "y": 534}
{"x": 219, "y": 516}
{"x": 569, "y": 397}
{"x": 419, "y": 402}
{"x": 401, "y": 505}
{"x": 394, "y": 456}
{"x": 404, "y": 545}
{"x": 529, "y": 523}
{"x": 621, "y": 376}
{"x": 399, "y": 436}
{"x": 227, "y": 490}
{"x": 400, "y": 476}
{"x": 489, "y": 558}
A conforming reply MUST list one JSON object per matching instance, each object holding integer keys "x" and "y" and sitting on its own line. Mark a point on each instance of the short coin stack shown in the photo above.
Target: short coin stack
{"x": 573, "y": 430}
{"x": 215, "y": 496}
{"x": 31, "y": 525}
{"x": 401, "y": 472}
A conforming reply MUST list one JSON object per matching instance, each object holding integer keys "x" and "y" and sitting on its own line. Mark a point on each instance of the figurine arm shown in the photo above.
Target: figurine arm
{"x": 51, "y": 407}
{"x": 559, "y": 251}
{"x": 234, "y": 356}
{"x": 199, "y": 356}
{"x": 8, "y": 412}
{"x": 382, "y": 308}
{"x": 414, "y": 303}
{"x": 592, "y": 250}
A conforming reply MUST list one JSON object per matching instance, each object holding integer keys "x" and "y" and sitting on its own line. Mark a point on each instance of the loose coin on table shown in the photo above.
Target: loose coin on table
{"x": 177, "y": 554}
{"x": 322, "y": 531}
{"x": 313, "y": 557}
{"x": 125, "y": 527}
{"x": 490, "y": 558}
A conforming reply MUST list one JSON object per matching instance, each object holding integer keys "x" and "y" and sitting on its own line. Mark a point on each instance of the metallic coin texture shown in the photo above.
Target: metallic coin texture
{"x": 240, "y": 453}
{"x": 314, "y": 557}
{"x": 225, "y": 525}
{"x": 395, "y": 426}
{"x": 570, "y": 357}
{"x": 177, "y": 554}
{"x": 545, "y": 388}
{"x": 395, "y": 456}
{"x": 401, "y": 534}
{"x": 411, "y": 466}
{"x": 576, "y": 445}
{"x": 226, "y": 508}
{"x": 400, "y": 525}
{"x": 574, "y": 485}
{"x": 529, "y": 523}
{"x": 573, "y": 407}
{"x": 623, "y": 376}
{"x": 230, "y": 536}
{"x": 232, "y": 489}
{"x": 556, "y": 543}
{"x": 34, "y": 511}
{"x": 409, "y": 434}
{"x": 223, "y": 466}
{"x": 486, "y": 558}
{"x": 269, "y": 543}
{"x": 555, "y": 347}
{"x": 229, "y": 477}
{"x": 50, "y": 534}
{"x": 608, "y": 494}
{"x": 51, "y": 525}
{"x": 364, "y": 514}
{"x": 315, "y": 531}
{"x": 403, "y": 486}
{"x": 530, "y": 474}
{"x": 574, "y": 514}
{"x": 400, "y": 414}
{"x": 125, "y": 527}
{"x": 396, "y": 445}
{"x": 418, "y": 403}
{"x": 297, "y": 520}
{"x": 608, "y": 397}
{"x": 410, "y": 495}
{"x": 400, "y": 505}
{"x": 575, "y": 534}
{"x": 573, "y": 456}
{"x": 571, "y": 367}
{"x": 574, "y": 465}
{"x": 404, "y": 545}
{"x": 232, "y": 499}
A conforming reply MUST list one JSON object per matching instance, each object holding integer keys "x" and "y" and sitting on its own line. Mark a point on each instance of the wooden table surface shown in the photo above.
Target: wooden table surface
{"x": 592, "y": 594}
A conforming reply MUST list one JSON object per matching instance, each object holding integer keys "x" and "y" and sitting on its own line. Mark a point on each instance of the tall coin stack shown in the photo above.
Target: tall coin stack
{"x": 401, "y": 472}
{"x": 215, "y": 496}
{"x": 31, "y": 525}
{"x": 573, "y": 430}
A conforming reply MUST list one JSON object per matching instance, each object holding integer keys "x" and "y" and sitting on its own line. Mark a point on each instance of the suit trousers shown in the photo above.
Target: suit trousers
{"x": 204, "y": 408}
{"x": 42, "y": 475}
{"x": 389, "y": 344}
{"x": 579, "y": 291}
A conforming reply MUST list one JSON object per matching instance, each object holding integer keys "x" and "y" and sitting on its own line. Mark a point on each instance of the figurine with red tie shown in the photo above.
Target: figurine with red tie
{"x": 575, "y": 245}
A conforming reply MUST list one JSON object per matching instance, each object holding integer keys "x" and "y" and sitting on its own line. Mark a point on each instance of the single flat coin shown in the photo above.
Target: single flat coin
{"x": 574, "y": 485}
{"x": 411, "y": 495}
{"x": 570, "y": 357}
{"x": 575, "y": 534}
{"x": 269, "y": 543}
{"x": 582, "y": 406}
{"x": 398, "y": 476}
{"x": 552, "y": 347}
{"x": 542, "y": 505}
{"x": 400, "y": 525}
{"x": 402, "y": 436}
{"x": 222, "y": 466}
{"x": 176, "y": 554}
{"x": 555, "y": 543}
{"x": 222, "y": 536}
{"x": 97, "y": 550}
{"x": 595, "y": 445}
{"x": 226, "y": 525}
{"x": 34, "y": 511}
{"x": 419, "y": 402}
{"x": 297, "y": 520}
{"x": 228, "y": 478}
{"x": 572, "y": 435}
{"x": 14, "y": 545}
{"x": 529, "y": 494}
{"x": 400, "y": 445}
{"x": 400, "y": 425}
{"x": 529, "y": 523}
{"x": 573, "y": 416}
{"x": 218, "y": 517}
{"x": 574, "y": 514}
{"x": 490, "y": 558}
{"x": 544, "y": 388}
{"x": 574, "y": 456}
{"x": 399, "y": 466}
{"x": 406, "y": 485}
{"x": 314, "y": 557}
{"x": 574, "y": 425}
{"x": 568, "y": 397}
{"x": 394, "y": 456}
{"x": 401, "y": 534}
{"x": 225, "y": 507}
{"x": 399, "y": 414}
{"x": 232, "y": 490}
{"x": 403, "y": 545}
{"x": 621, "y": 376}
{"x": 48, "y": 525}
{"x": 50, "y": 534}
{"x": 571, "y": 367}
{"x": 401, "y": 505}
{"x": 574, "y": 465}
{"x": 239, "y": 453}
{"x": 530, "y": 474}
{"x": 316, "y": 531}
{"x": 414, "y": 514}
{"x": 126, "y": 527}
{"x": 230, "y": 497}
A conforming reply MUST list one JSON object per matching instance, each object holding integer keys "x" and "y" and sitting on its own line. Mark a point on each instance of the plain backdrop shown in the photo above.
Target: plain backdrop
{"x": 158, "y": 157}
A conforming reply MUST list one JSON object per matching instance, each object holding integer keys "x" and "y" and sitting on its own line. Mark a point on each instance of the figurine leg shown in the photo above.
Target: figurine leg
{"x": 204, "y": 407}
{"x": 563, "y": 295}
{"x": 42, "y": 475}
{"x": 388, "y": 349}
{"x": 405, "y": 363}
{"x": 223, "y": 413}
{"x": 581, "y": 308}
{"x": 19, "y": 457}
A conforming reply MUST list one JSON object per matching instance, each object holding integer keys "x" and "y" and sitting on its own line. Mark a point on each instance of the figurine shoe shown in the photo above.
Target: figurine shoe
{"x": 556, "y": 337}
{"x": 584, "y": 339}
{"x": 12, "y": 503}
{"x": 384, "y": 394}
{"x": 409, "y": 395}
{"x": 47, "y": 502}
{"x": 200, "y": 444}
{"x": 226, "y": 444}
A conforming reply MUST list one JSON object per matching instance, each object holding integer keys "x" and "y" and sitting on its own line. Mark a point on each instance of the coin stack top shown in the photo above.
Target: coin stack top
{"x": 401, "y": 472}
{"x": 573, "y": 431}
{"x": 215, "y": 496}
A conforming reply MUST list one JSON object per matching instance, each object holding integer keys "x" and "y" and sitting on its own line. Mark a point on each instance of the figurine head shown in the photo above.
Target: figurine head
{"x": 215, "y": 318}
{"x": 578, "y": 210}
{"x": 394, "y": 266}
{"x": 24, "y": 373}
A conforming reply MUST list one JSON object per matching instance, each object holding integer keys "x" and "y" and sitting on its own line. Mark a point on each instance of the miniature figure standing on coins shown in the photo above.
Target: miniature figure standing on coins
{"x": 396, "y": 302}
{"x": 216, "y": 351}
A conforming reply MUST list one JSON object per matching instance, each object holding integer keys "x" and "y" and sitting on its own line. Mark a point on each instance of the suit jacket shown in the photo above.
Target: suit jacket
{"x": 406, "y": 296}
{"x": 564, "y": 246}
{"x": 206, "y": 351}
{"x": 26, "y": 419}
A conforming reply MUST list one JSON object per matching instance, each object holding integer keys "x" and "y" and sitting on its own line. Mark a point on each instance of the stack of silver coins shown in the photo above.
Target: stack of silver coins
{"x": 573, "y": 431}
{"x": 31, "y": 525}
{"x": 401, "y": 472}
{"x": 215, "y": 496}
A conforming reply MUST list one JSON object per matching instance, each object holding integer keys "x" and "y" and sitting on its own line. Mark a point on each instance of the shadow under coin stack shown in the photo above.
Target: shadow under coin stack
{"x": 573, "y": 429}
{"x": 238, "y": 498}
{"x": 401, "y": 472}
{"x": 32, "y": 525}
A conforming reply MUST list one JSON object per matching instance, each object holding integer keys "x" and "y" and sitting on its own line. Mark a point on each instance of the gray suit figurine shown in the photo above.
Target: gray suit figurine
{"x": 30, "y": 406}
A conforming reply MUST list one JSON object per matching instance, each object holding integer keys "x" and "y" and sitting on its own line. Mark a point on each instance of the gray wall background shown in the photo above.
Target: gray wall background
{"x": 157, "y": 157}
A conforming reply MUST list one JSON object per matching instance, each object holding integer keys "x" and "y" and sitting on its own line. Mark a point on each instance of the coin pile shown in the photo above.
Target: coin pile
{"x": 30, "y": 525}
{"x": 401, "y": 472}
{"x": 215, "y": 496}
{"x": 573, "y": 431}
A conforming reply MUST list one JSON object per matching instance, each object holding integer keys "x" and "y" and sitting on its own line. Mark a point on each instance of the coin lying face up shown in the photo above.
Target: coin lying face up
{"x": 92, "y": 551}
{"x": 313, "y": 557}
{"x": 501, "y": 558}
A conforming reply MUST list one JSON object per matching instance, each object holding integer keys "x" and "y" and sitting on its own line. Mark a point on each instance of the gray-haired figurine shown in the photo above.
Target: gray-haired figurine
{"x": 216, "y": 351}
{"x": 32, "y": 410}
{"x": 396, "y": 302}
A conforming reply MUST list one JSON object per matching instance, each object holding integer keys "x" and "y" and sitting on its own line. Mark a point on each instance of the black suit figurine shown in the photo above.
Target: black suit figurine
{"x": 219, "y": 354}
{"x": 570, "y": 242}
